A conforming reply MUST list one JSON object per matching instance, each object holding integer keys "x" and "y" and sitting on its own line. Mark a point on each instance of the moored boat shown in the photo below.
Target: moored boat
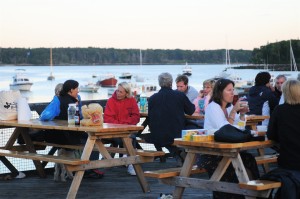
{"x": 125, "y": 76}
{"x": 108, "y": 80}
{"x": 90, "y": 87}
{"x": 187, "y": 70}
{"x": 20, "y": 81}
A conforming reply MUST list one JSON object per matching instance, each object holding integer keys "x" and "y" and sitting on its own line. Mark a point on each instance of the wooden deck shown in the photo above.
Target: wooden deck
{"x": 116, "y": 183}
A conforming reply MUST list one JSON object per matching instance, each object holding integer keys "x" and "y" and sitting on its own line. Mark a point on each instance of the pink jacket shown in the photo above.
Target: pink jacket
{"x": 121, "y": 111}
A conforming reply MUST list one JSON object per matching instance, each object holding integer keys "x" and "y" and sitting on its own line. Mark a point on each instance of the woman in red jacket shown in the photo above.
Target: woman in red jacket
{"x": 122, "y": 108}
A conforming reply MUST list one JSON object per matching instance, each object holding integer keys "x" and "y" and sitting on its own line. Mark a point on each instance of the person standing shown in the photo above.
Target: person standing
{"x": 122, "y": 108}
{"x": 166, "y": 114}
{"x": 182, "y": 84}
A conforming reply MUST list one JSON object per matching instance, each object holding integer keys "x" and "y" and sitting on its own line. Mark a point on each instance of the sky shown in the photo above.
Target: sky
{"x": 151, "y": 24}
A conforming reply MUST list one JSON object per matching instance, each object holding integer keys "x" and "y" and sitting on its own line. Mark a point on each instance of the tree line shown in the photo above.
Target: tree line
{"x": 276, "y": 53}
{"x": 273, "y": 53}
{"x": 107, "y": 56}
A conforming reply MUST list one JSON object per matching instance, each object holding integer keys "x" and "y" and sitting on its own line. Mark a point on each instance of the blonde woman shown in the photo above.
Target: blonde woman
{"x": 284, "y": 128}
{"x": 122, "y": 108}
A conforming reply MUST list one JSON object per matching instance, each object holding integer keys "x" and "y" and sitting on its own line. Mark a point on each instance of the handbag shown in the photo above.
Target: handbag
{"x": 8, "y": 105}
{"x": 229, "y": 133}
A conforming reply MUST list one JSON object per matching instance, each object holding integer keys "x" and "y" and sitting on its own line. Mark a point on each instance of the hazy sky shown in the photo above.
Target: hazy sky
{"x": 152, "y": 24}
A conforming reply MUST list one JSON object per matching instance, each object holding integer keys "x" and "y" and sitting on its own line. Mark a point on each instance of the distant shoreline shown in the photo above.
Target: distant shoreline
{"x": 271, "y": 67}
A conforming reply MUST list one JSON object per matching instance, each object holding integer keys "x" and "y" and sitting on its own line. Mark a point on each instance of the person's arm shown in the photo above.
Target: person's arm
{"x": 214, "y": 117}
{"x": 134, "y": 115}
{"x": 109, "y": 113}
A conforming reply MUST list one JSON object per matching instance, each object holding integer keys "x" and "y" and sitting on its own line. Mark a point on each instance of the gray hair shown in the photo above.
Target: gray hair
{"x": 127, "y": 88}
{"x": 165, "y": 80}
{"x": 58, "y": 88}
{"x": 281, "y": 76}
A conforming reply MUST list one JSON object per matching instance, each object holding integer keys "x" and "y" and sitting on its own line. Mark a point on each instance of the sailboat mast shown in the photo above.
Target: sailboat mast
{"x": 141, "y": 57}
{"x": 292, "y": 58}
{"x": 51, "y": 63}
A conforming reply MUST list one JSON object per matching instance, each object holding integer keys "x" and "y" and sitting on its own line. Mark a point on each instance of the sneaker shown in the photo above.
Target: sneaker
{"x": 165, "y": 196}
{"x": 131, "y": 170}
{"x": 20, "y": 175}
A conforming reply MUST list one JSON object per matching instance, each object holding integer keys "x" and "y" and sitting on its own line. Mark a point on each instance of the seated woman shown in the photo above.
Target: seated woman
{"x": 69, "y": 95}
{"x": 122, "y": 108}
{"x": 284, "y": 128}
{"x": 201, "y": 102}
{"x": 218, "y": 113}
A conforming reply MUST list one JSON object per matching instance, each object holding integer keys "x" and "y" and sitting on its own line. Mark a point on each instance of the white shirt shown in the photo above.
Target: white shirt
{"x": 215, "y": 117}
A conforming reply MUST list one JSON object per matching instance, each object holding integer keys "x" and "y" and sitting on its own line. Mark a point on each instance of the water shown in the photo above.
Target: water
{"x": 43, "y": 90}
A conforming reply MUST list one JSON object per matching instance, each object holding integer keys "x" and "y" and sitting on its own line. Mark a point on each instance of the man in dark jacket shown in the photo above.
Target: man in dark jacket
{"x": 261, "y": 95}
{"x": 166, "y": 111}
{"x": 280, "y": 79}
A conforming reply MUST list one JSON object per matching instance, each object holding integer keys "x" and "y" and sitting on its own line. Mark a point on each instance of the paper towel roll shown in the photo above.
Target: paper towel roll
{"x": 24, "y": 112}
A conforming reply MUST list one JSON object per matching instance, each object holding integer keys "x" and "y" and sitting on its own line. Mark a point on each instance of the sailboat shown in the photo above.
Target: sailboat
{"x": 139, "y": 78}
{"x": 229, "y": 73}
{"x": 51, "y": 76}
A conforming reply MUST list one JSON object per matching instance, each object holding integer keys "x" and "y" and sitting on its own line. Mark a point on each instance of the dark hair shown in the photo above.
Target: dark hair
{"x": 219, "y": 87}
{"x": 182, "y": 78}
{"x": 262, "y": 78}
{"x": 68, "y": 85}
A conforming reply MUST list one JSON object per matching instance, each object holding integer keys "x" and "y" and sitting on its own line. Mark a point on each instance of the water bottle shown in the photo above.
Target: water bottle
{"x": 143, "y": 102}
{"x": 71, "y": 114}
{"x": 77, "y": 116}
{"x": 201, "y": 105}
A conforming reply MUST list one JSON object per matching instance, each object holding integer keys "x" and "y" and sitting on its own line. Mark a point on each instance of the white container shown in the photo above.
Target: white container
{"x": 261, "y": 128}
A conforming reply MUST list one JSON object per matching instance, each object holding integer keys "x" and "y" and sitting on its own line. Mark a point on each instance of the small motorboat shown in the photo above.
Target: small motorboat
{"x": 125, "y": 76}
{"x": 20, "y": 81}
{"x": 187, "y": 70}
{"x": 90, "y": 87}
{"x": 108, "y": 80}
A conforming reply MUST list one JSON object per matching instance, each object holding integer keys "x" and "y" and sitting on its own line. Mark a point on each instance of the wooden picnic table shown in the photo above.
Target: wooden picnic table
{"x": 230, "y": 153}
{"x": 95, "y": 136}
{"x": 252, "y": 120}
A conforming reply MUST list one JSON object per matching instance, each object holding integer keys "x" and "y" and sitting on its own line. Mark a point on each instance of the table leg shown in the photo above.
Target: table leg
{"x": 185, "y": 172}
{"x": 138, "y": 169}
{"x": 103, "y": 150}
{"x": 88, "y": 148}
{"x": 240, "y": 169}
{"x": 221, "y": 169}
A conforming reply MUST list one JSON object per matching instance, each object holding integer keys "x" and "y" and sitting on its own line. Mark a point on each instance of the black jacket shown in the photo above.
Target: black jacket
{"x": 166, "y": 111}
{"x": 257, "y": 96}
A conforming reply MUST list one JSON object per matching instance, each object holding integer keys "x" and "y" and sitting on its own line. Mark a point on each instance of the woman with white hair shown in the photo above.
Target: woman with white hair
{"x": 122, "y": 108}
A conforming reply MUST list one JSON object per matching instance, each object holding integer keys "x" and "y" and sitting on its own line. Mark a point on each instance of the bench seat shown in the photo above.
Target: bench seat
{"x": 171, "y": 172}
{"x": 42, "y": 157}
{"x": 148, "y": 153}
{"x": 260, "y": 185}
{"x": 266, "y": 159}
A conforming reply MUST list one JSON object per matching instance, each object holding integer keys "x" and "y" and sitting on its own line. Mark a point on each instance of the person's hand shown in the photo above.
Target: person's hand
{"x": 241, "y": 106}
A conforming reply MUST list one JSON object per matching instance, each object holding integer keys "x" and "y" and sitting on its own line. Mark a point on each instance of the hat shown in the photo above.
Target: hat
{"x": 262, "y": 78}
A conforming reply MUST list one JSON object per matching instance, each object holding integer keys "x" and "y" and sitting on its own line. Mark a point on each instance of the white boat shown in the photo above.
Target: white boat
{"x": 229, "y": 73}
{"x": 187, "y": 70}
{"x": 125, "y": 76}
{"x": 51, "y": 76}
{"x": 90, "y": 87}
{"x": 20, "y": 81}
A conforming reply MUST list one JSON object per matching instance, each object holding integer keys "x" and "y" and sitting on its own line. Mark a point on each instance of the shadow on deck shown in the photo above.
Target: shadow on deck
{"x": 116, "y": 183}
